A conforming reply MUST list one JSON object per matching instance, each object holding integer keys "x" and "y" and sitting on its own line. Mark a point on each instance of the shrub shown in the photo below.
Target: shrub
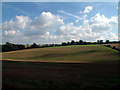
{"x": 108, "y": 46}
{"x": 114, "y": 47}
{"x": 34, "y": 45}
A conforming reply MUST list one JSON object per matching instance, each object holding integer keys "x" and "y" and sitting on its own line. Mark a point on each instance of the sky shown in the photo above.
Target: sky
{"x": 57, "y": 22}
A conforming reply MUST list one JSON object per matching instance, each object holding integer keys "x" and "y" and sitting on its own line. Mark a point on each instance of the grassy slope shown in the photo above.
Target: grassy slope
{"x": 66, "y": 53}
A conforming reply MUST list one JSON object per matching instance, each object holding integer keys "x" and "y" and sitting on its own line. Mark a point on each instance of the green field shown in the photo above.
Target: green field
{"x": 74, "y": 67}
{"x": 74, "y": 53}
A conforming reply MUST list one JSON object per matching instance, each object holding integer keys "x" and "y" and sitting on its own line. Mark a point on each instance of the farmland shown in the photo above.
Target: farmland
{"x": 113, "y": 44}
{"x": 85, "y": 53}
{"x": 76, "y": 66}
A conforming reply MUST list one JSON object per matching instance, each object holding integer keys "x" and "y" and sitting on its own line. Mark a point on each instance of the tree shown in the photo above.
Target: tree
{"x": 9, "y": 47}
{"x": 34, "y": 45}
{"x": 21, "y": 47}
{"x": 68, "y": 43}
{"x": 0, "y": 48}
{"x": 63, "y": 44}
{"x": 101, "y": 41}
{"x": 80, "y": 42}
{"x": 98, "y": 41}
{"x": 72, "y": 42}
{"x": 107, "y": 41}
{"x": 84, "y": 42}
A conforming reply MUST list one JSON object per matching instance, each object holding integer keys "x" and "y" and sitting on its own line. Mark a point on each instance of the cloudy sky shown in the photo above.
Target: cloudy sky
{"x": 57, "y": 22}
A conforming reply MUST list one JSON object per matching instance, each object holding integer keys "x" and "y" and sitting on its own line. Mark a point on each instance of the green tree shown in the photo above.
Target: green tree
{"x": 72, "y": 42}
{"x": 64, "y": 44}
{"x": 101, "y": 41}
{"x": 107, "y": 41}
{"x": 34, "y": 45}
{"x": 80, "y": 42}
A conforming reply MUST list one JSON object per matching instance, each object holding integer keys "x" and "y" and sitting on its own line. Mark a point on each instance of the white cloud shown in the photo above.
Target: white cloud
{"x": 77, "y": 21}
{"x": 88, "y": 9}
{"x": 38, "y": 26}
{"x": 110, "y": 36}
{"x": 43, "y": 23}
{"x": 75, "y": 16}
{"x": 71, "y": 32}
{"x": 113, "y": 36}
{"x": 11, "y": 27}
{"x": 11, "y": 32}
{"x": 21, "y": 21}
{"x": 70, "y": 14}
{"x": 50, "y": 28}
{"x": 22, "y": 27}
{"x": 90, "y": 30}
{"x": 100, "y": 23}
{"x": 18, "y": 24}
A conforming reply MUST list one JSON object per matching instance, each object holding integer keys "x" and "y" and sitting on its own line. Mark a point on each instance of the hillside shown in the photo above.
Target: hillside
{"x": 74, "y": 53}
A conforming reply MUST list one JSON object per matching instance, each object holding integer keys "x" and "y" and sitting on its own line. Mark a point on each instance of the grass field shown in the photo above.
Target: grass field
{"x": 74, "y": 53}
{"x": 71, "y": 67}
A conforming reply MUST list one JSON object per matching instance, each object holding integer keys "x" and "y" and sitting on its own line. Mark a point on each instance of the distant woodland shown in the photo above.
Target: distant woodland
{"x": 12, "y": 47}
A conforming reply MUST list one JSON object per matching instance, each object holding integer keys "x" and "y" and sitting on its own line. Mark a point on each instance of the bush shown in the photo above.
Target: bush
{"x": 108, "y": 46}
{"x": 34, "y": 45}
{"x": 114, "y": 47}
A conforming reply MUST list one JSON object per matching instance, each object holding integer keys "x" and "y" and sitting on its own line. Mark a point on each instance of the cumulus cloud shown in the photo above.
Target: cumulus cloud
{"x": 13, "y": 27}
{"x": 50, "y": 28}
{"x": 100, "y": 23}
{"x": 87, "y": 9}
{"x": 23, "y": 27}
{"x": 109, "y": 36}
{"x": 19, "y": 23}
{"x": 43, "y": 23}
{"x": 90, "y": 30}
{"x": 72, "y": 32}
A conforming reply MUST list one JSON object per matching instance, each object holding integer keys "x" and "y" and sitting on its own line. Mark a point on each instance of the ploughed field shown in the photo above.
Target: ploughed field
{"x": 69, "y": 67}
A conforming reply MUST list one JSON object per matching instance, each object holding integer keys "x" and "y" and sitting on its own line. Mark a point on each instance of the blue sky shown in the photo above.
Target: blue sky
{"x": 63, "y": 21}
{"x": 35, "y": 9}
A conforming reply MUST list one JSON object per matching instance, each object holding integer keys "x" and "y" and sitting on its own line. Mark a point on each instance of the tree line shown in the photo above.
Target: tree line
{"x": 12, "y": 47}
